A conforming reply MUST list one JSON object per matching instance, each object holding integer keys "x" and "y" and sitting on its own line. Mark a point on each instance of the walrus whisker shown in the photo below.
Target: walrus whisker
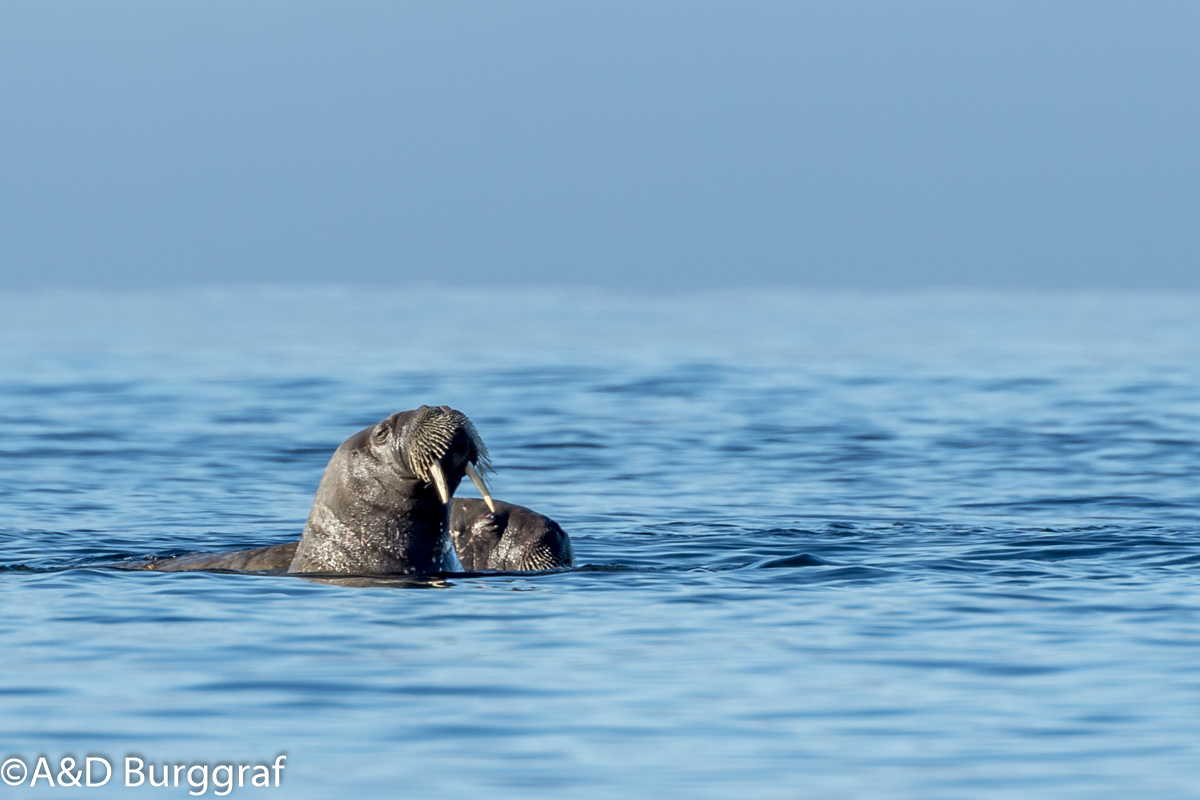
{"x": 477, "y": 479}
{"x": 481, "y": 460}
{"x": 439, "y": 480}
{"x": 431, "y": 434}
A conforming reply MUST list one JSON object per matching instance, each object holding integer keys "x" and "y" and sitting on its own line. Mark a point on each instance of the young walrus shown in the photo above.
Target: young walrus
{"x": 383, "y": 503}
{"x": 507, "y": 537}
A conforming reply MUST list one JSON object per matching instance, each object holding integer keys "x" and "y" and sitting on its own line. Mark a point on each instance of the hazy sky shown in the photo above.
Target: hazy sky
{"x": 632, "y": 145}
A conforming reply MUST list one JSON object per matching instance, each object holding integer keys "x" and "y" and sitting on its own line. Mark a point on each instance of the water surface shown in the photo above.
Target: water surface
{"x": 912, "y": 546}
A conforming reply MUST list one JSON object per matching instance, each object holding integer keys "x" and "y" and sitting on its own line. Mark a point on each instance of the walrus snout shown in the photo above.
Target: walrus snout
{"x": 440, "y": 445}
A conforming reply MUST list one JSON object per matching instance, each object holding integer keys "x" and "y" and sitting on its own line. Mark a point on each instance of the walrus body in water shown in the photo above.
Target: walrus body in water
{"x": 513, "y": 539}
{"x": 383, "y": 505}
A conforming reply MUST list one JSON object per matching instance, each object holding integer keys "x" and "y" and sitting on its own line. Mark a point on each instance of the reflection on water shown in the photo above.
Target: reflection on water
{"x": 913, "y": 546}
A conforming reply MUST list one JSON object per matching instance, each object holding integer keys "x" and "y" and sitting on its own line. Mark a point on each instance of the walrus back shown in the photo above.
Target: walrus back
{"x": 276, "y": 558}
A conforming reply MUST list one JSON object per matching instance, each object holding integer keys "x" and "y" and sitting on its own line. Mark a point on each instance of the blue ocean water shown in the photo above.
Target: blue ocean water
{"x": 835, "y": 546}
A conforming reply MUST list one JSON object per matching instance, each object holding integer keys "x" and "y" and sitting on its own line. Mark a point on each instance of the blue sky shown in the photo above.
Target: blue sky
{"x": 628, "y": 145}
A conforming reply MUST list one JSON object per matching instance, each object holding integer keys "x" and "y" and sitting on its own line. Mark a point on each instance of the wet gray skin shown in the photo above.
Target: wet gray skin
{"x": 379, "y": 509}
{"x": 513, "y": 538}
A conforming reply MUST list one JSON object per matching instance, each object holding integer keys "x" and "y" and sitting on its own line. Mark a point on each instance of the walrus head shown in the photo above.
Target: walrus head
{"x": 435, "y": 444}
{"x": 383, "y": 503}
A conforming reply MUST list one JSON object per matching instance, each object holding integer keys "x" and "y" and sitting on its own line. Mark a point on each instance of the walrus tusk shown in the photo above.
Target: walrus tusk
{"x": 477, "y": 479}
{"x": 439, "y": 479}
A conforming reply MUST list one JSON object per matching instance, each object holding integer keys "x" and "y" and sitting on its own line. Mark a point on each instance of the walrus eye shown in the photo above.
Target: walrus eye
{"x": 381, "y": 432}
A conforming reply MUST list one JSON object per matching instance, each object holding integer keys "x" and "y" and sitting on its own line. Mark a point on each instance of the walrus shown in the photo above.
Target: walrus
{"x": 507, "y": 537}
{"x": 383, "y": 503}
